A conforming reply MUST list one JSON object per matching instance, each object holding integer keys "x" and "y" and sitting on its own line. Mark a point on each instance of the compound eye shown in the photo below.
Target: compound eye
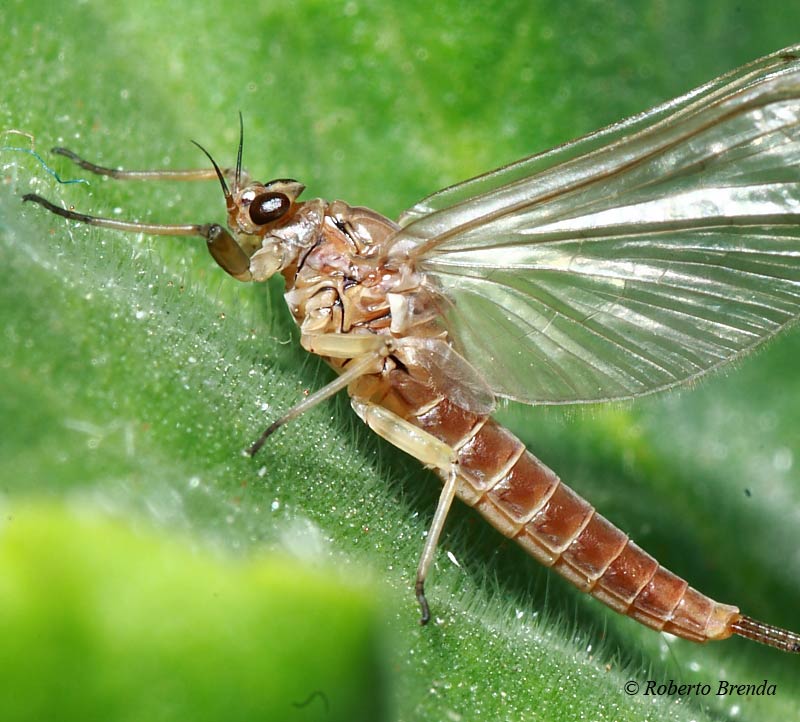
{"x": 268, "y": 207}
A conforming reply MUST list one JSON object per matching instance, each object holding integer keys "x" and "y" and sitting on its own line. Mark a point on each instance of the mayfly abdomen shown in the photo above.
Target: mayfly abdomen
{"x": 526, "y": 501}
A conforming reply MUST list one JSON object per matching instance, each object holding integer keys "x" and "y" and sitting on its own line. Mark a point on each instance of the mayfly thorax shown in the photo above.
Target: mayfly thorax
{"x": 632, "y": 260}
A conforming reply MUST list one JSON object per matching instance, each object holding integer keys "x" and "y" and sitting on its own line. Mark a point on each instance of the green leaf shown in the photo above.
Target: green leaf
{"x": 101, "y": 622}
{"x": 134, "y": 371}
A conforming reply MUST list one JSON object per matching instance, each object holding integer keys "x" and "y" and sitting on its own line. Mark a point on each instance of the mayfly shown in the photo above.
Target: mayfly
{"x": 635, "y": 259}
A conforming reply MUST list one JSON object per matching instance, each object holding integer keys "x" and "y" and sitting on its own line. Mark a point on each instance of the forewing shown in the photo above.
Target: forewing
{"x": 634, "y": 259}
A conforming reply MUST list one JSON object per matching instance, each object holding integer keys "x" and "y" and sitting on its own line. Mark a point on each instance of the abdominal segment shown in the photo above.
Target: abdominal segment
{"x": 527, "y": 502}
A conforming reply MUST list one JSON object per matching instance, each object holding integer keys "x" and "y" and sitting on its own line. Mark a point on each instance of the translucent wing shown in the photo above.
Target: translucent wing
{"x": 634, "y": 259}
{"x": 447, "y": 373}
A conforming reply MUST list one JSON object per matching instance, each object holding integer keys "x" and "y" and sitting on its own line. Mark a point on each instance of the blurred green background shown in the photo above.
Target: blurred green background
{"x": 134, "y": 371}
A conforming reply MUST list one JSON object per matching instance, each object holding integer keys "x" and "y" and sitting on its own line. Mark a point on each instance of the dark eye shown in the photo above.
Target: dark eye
{"x": 268, "y": 207}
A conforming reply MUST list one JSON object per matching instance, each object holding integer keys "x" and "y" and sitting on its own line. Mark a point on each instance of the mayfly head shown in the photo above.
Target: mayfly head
{"x": 264, "y": 231}
{"x": 254, "y": 207}
{"x": 254, "y": 210}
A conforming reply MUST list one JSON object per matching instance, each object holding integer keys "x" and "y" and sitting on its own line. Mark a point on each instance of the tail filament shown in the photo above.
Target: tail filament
{"x": 767, "y": 634}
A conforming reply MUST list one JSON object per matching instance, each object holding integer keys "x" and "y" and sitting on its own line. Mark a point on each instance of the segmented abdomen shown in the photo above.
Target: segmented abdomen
{"x": 526, "y": 501}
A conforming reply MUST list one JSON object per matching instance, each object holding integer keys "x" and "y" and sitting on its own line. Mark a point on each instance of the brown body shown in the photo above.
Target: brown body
{"x": 509, "y": 486}
{"x": 527, "y": 502}
{"x": 345, "y": 280}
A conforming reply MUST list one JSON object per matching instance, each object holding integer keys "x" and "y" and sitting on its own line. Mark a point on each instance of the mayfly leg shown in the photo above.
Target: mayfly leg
{"x": 358, "y": 368}
{"x": 223, "y": 247}
{"x": 237, "y": 175}
{"x": 192, "y": 174}
{"x": 221, "y": 244}
{"x": 155, "y": 229}
{"x": 364, "y": 353}
{"x": 431, "y": 452}
{"x": 432, "y": 541}
{"x": 426, "y": 447}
